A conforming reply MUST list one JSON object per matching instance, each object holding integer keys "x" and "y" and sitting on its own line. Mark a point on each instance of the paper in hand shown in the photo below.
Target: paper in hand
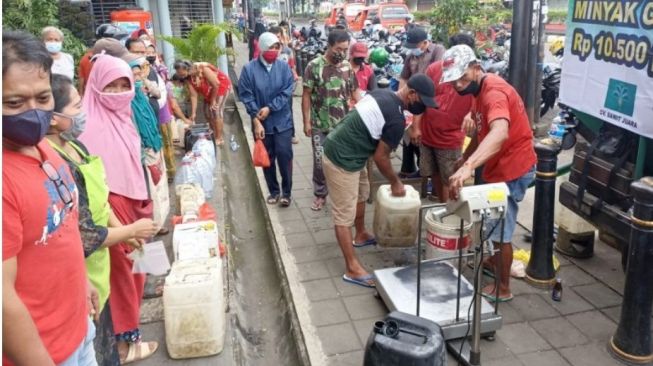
{"x": 152, "y": 259}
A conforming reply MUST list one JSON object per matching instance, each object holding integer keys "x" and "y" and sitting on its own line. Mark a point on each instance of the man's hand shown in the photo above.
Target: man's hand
{"x": 458, "y": 163}
{"x": 93, "y": 301}
{"x": 259, "y": 131}
{"x": 137, "y": 244}
{"x": 263, "y": 113}
{"x": 457, "y": 180}
{"x": 415, "y": 134}
{"x": 192, "y": 117}
{"x": 397, "y": 189}
{"x": 468, "y": 125}
{"x": 308, "y": 128}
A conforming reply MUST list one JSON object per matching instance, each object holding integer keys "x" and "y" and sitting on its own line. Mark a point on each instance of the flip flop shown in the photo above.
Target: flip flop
{"x": 272, "y": 200}
{"x": 139, "y": 351}
{"x": 318, "y": 203}
{"x": 285, "y": 201}
{"x": 360, "y": 281}
{"x": 486, "y": 271}
{"x": 370, "y": 241}
{"x": 493, "y": 298}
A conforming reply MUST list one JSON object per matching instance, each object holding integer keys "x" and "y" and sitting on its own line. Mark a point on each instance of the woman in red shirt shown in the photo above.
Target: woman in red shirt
{"x": 212, "y": 84}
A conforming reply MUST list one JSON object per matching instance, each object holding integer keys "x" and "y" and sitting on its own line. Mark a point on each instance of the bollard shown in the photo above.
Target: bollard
{"x": 540, "y": 271}
{"x": 632, "y": 340}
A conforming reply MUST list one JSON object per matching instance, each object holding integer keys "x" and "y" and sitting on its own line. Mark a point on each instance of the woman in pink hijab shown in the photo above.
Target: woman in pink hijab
{"x": 111, "y": 134}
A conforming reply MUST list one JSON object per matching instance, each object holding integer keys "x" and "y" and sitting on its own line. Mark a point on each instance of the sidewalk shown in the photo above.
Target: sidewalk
{"x": 336, "y": 318}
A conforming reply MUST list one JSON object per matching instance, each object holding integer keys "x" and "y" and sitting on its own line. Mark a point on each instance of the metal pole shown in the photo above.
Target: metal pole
{"x": 632, "y": 340}
{"x": 520, "y": 38}
{"x": 475, "y": 351}
{"x": 143, "y": 4}
{"x": 540, "y": 271}
{"x": 166, "y": 30}
{"x": 539, "y": 66}
{"x": 533, "y": 97}
{"x": 218, "y": 17}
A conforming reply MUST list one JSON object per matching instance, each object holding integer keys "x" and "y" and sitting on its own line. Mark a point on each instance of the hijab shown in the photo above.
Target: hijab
{"x": 146, "y": 121}
{"x": 110, "y": 132}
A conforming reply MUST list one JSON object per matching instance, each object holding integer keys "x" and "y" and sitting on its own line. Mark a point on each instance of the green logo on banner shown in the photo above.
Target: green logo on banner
{"x": 621, "y": 97}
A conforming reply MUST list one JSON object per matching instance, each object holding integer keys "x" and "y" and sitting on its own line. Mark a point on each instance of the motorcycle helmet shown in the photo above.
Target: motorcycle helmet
{"x": 110, "y": 31}
{"x": 379, "y": 57}
{"x": 557, "y": 46}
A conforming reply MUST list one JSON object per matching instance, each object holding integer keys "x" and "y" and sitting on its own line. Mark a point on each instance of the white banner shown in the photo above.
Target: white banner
{"x": 607, "y": 70}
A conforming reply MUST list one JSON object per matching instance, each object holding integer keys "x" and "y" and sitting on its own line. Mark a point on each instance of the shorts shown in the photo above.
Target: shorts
{"x": 346, "y": 190}
{"x": 84, "y": 355}
{"x": 517, "y": 190}
{"x": 224, "y": 86}
{"x": 440, "y": 161}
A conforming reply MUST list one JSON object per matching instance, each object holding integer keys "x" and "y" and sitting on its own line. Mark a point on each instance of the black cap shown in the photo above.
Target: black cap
{"x": 425, "y": 88}
{"x": 414, "y": 36}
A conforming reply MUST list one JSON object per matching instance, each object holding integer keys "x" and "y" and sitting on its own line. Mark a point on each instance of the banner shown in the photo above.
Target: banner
{"x": 607, "y": 70}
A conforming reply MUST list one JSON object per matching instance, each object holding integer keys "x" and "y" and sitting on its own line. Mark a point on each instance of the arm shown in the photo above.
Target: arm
{"x": 246, "y": 92}
{"x": 371, "y": 83}
{"x": 23, "y": 346}
{"x": 212, "y": 79}
{"x": 415, "y": 130}
{"x": 382, "y": 160}
{"x": 306, "y": 110}
{"x": 176, "y": 110}
{"x": 193, "y": 102}
{"x": 282, "y": 99}
{"x": 163, "y": 98}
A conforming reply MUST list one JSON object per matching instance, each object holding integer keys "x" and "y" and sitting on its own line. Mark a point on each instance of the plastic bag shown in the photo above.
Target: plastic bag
{"x": 261, "y": 157}
{"x": 525, "y": 255}
{"x": 205, "y": 173}
{"x": 206, "y": 150}
{"x": 187, "y": 174}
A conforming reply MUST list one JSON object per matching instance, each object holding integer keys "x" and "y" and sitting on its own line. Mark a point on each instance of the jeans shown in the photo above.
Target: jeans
{"x": 319, "y": 182}
{"x": 279, "y": 147}
{"x": 517, "y": 188}
{"x": 84, "y": 355}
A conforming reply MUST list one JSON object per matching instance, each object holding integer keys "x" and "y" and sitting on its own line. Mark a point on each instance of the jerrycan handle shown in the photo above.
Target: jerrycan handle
{"x": 391, "y": 329}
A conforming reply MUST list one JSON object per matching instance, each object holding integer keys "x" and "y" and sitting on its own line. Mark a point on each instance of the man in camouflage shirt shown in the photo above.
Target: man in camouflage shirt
{"x": 329, "y": 87}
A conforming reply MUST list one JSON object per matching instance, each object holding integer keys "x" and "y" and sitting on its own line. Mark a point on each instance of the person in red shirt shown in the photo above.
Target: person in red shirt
{"x": 364, "y": 73}
{"x": 503, "y": 143}
{"x": 442, "y": 135}
{"x": 44, "y": 285}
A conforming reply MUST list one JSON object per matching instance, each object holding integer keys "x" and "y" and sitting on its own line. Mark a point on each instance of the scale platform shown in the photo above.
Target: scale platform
{"x": 398, "y": 289}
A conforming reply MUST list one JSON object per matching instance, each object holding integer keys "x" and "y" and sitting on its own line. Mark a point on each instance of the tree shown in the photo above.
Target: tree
{"x": 453, "y": 16}
{"x": 201, "y": 44}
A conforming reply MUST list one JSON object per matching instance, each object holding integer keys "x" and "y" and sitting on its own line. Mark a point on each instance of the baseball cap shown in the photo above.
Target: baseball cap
{"x": 425, "y": 88}
{"x": 110, "y": 46}
{"x": 414, "y": 36}
{"x": 358, "y": 49}
{"x": 455, "y": 61}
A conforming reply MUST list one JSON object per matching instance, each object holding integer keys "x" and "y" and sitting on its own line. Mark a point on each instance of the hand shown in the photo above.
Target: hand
{"x": 457, "y": 180}
{"x": 415, "y": 134}
{"x": 263, "y": 113}
{"x": 259, "y": 131}
{"x": 187, "y": 121}
{"x": 93, "y": 301}
{"x": 458, "y": 163}
{"x": 193, "y": 117}
{"x": 135, "y": 243}
{"x": 468, "y": 125}
{"x": 397, "y": 189}
{"x": 144, "y": 228}
{"x": 308, "y": 129}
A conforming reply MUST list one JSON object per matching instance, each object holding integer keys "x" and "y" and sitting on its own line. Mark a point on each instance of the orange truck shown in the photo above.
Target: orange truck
{"x": 392, "y": 15}
{"x": 350, "y": 10}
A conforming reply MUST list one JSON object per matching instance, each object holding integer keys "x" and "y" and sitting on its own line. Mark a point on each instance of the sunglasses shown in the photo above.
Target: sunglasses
{"x": 63, "y": 191}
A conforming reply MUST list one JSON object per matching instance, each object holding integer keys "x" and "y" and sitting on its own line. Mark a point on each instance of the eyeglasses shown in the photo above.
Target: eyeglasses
{"x": 63, "y": 191}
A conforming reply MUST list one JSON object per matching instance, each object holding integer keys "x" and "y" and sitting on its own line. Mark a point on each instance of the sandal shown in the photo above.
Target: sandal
{"x": 273, "y": 200}
{"x": 139, "y": 351}
{"x": 285, "y": 201}
{"x": 219, "y": 142}
{"x": 318, "y": 203}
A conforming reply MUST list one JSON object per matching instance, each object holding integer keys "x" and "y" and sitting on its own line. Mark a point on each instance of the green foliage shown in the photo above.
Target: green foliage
{"x": 557, "y": 15}
{"x": 421, "y": 16}
{"x": 78, "y": 19}
{"x": 201, "y": 44}
{"x": 453, "y": 16}
{"x": 34, "y": 15}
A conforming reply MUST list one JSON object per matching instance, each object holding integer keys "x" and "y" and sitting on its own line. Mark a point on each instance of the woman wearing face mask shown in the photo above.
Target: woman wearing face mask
{"x": 99, "y": 227}
{"x": 363, "y": 71}
{"x": 211, "y": 83}
{"x": 63, "y": 62}
{"x": 112, "y": 135}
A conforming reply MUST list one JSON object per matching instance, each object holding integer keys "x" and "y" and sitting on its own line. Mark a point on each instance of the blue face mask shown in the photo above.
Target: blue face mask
{"x": 53, "y": 47}
{"x": 27, "y": 128}
{"x": 417, "y": 52}
{"x": 76, "y": 128}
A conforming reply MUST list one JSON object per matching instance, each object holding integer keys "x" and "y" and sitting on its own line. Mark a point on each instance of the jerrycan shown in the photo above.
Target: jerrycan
{"x": 396, "y": 218}
{"x": 194, "y": 308}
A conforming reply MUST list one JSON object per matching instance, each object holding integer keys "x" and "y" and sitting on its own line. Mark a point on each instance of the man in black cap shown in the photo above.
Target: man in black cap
{"x": 421, "y": 53}
{"x": 373, "y": 128}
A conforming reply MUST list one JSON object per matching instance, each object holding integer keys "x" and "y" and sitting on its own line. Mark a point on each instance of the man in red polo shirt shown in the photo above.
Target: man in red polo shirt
{"x": 363, "y": 71}
{"x": 503, "y": 142}
{"x": 442, "y": 136}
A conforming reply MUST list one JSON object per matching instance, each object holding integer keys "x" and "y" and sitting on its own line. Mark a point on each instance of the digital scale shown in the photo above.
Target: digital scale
{"x": 435, "y": 290}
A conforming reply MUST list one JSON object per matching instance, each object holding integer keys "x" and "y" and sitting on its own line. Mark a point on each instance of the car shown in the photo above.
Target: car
{"x": 393, "y": 16}
{"x": 349, "y": 10}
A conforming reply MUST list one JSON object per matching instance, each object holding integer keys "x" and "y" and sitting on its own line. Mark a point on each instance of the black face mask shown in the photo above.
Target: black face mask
{"x": 416, "y": 108}
{"x": 358, "y": 60}
{"x": 151, "y": 59}
{"x": 473, "y": 88}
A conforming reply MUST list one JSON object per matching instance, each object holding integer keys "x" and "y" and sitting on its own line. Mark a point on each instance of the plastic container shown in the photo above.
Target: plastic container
{"x": 405, "y": 339}
{"x": 133, "y": 19}
{"x": 204, "y": 148}
{"x": 187, "y": 173}
{"x": 195, "y": 240}
{"x": 189, "y": 198}
{"x": 205, "y": 173}
{"x": 194, "y": 308}
{"x": 443, "y": 235}
{"x": 396, "y": 218}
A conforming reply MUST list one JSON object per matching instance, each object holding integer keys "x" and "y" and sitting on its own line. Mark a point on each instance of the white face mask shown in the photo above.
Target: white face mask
{"x": 53, "y": 47}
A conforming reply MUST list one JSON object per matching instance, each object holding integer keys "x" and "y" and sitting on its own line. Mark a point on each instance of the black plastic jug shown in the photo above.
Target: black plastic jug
{"x": 406, "y": 340}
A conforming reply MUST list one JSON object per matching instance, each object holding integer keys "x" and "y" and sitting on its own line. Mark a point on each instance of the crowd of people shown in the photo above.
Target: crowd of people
{"x": 352, "y": 122}
{"x": 87, "y": 162}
